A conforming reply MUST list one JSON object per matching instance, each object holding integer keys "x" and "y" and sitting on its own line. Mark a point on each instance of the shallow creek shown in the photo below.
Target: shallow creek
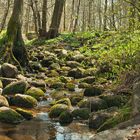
{"x": 42, "y": 128}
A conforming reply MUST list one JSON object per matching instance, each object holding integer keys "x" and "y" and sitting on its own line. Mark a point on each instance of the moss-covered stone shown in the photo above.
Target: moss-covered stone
{"x": 25, "y": 113}
{"x": 93, "y": 91}
{"x": 84, "y": 85}
{"x": 57, "y": 109}
{"x": 3, "y": 101}
{"x": 65, "y": 118}
{"x": 65, "y": 101}
{"x": 82, "y": 113}
{"x": 35, "y": 92}
{"x": 123, "y": 114}
{"x": 16, "y": 87}
{"x": 89, "y": 80}
{"x": 84, "y": 103}
{"x": 70, "y": 86}
{"x": 75, "y": 99}
{"x": 115, "y": 100}
{"x": 24, "y": 101}
{"x": 8, "y": 115}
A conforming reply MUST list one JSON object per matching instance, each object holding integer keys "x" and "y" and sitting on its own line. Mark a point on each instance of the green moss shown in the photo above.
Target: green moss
{"x": 70, "y": 86}
{"x": 25, "y": 113}
{"x": 65, "y": 101}
{"x": 8, "y": 115}
{"x": 24, "y": 101}
{"x": 35, "y": 92}
{"x": 81, "y": 113}
{"x": 123, "y": 114}
{"x": 65, "y": 118}
{"x": 57, "y": 109}
{"x": 16, "y": 87}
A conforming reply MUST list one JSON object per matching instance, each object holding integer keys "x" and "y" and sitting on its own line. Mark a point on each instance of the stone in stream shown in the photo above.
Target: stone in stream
{"x": 82, "y": 113}
{"x": 76, "y": 73}
{"x": 57, "y": 109}
{"x": 3, "y": 101}
{"x": 25, "y": 101}
{"x": 97, "y": 119}
{"x": 1, "y": 85}
{"x": 16, "y": 87}
{"x": 8, "y": 115}
{"x": 9, "y": 70}
{"x": 65, "y": 118}
{"x": 25, "y": 113}
{"x": 35, "y": 92}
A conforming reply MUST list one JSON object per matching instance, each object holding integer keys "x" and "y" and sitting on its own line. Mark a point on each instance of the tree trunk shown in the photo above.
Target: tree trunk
{"x": 56, "y": 19}
{"x": 5, "y": 15}
{"x": 14, "y": 48}
{"x": 105, "y": 15}
{"x": 44, "y": 18}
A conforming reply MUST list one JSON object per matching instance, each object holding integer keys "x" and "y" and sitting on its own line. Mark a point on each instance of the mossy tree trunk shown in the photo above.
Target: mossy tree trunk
{"x": 14, "y": 50}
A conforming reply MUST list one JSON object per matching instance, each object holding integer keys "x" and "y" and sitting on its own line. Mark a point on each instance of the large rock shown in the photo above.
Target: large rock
{"x": 65, "y": 118}
{"x": 8, "y": 115}
{"x": 9, "y": 71}
{"x": 57, "y": 109}
{"x": 25, "y": 101}
{"x": 35, "y": 92}
{"x": 76, "y": 73}
{"x": 93, "y": 91}
{"x": 97, "y": 119}
{"x": 16, "y": 87}
{"x": 3, "y": 101}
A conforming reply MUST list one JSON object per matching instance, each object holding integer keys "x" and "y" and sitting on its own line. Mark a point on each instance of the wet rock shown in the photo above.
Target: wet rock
{"x": 24, "y": 101}
{"x": 8, "y": 115}
{"x": 57, "y": 109}
{"x": 25, "y": 113}
{"x": 1, "y": 85}
{"x": 37, "y": 93}
{"x": 84, "y": 85}
{"x": 93, "y": 91}
{"x": 57, "y": 85}
{"x": 54, "y": 66}
{"x": 65, "y": 101}
{"x": 16, "y": 87}
{"x": 82, "y": 113}
{"x": 65, "y": 118}
{"x": 3, "y": 101}
{"x": 36, "y": 66}
{"x": 115, "y": 100}
{"x": 97, "y": 119}
{"x": 9, "y": 71}
{"x": 76, "y": 73}
{"x": 75, "y": 99}
{"x": 7, "y": 81}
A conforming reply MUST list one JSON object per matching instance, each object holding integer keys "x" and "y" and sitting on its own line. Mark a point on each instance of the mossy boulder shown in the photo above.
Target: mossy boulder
{"x": 65, "y": 118}
{"x": 25, "y": 101}
{"x": 93, "y": 91}
{"x": 57, "y": 109}
{"x": 16, "y": 87}
{"x": 75, "y": 99}
{"x": 115, "y": 100}
{"x": 97, "y": 119}
{"x": 25, "y": 113}
{"x": 84, "y": 85}
{"x": 8, "y": 115}
{"x": 123, "y": 115}
{"x": 35, "y": 92}
{"x": 57, "y": 85}
{"x": 84, "y": 103}
{"x": 82, "y": 113}
{"x": 70, "y": 86}
{"x": 65, "y": 101}
{"x": 9, "y": 70}
{"x": 76, "y": 73}
{"x": 3, "y": 101}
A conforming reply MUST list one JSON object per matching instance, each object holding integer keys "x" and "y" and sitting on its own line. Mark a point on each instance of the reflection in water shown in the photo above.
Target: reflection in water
{"x": 44, "y": 130}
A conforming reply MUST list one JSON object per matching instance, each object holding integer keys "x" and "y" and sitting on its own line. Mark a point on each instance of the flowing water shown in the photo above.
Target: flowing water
{"x": 42, "y": 128}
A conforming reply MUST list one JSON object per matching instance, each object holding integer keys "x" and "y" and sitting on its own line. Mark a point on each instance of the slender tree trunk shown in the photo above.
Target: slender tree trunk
{"x": 77, "y": 16}
{"x": 5, "y": 15}
{"x": 105, "y": 15}
{"x": 56, "y": 19}
{"x": 44, "y": 18}
{"x": 100, "y": 16}
{"x": 113, "y": 15}
{"x": 64, "y": 15}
